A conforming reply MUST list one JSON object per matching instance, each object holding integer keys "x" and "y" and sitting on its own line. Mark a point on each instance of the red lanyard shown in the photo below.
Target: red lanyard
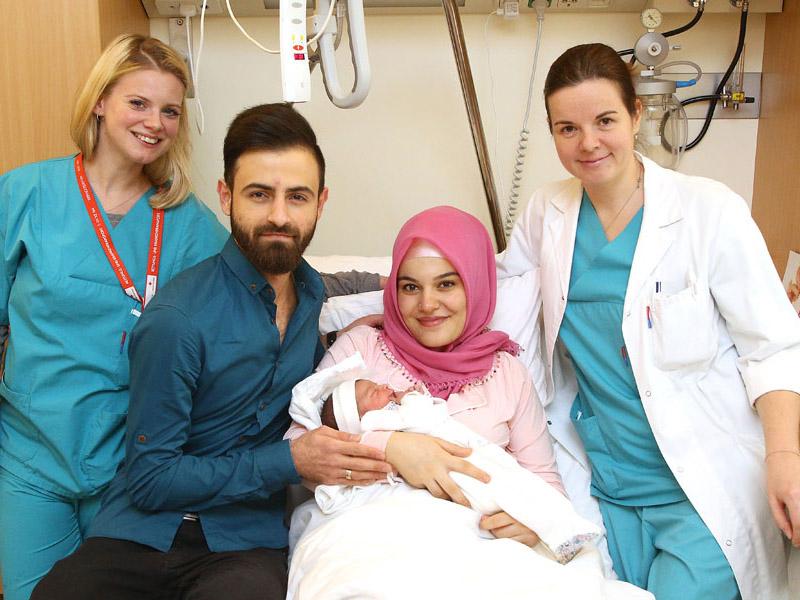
{"x": 103, "y": 236}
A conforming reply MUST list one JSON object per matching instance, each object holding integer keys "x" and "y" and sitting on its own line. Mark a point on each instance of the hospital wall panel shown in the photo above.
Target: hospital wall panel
{"x": 47, "y": 48}
{"x": 409, "y": 145}
{"x": 776, "y": 197}
{"x": 120, "y": 16}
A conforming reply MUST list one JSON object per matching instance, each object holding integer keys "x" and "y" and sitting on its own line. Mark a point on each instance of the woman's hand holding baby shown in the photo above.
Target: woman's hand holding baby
{"x": 425, "y": 462}
{"x": 503, "y": 525}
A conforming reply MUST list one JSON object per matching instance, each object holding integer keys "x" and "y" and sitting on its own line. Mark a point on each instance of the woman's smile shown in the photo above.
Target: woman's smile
{"x": 431, "y": 321}
{"x": 146, "y": 139}
{"x": 593, "y": 162}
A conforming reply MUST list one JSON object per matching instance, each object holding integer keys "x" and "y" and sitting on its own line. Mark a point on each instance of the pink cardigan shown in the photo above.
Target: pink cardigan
{"x": 503, "y": 407}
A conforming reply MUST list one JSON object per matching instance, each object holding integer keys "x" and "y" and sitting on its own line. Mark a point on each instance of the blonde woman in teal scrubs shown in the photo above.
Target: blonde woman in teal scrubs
{"x": 65, "y": 388}
{"x": 667, "y": 336}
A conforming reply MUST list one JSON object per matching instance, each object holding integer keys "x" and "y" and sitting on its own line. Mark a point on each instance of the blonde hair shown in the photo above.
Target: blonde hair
{"x": 126, "y": 54}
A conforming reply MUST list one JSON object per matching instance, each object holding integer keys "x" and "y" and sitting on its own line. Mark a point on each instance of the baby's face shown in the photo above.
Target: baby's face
{"x": 371, "y": 396}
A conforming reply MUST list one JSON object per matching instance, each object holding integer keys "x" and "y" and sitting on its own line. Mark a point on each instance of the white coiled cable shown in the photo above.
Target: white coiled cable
{"x": 516, "y": 177}
{"x": 524, "y": 134}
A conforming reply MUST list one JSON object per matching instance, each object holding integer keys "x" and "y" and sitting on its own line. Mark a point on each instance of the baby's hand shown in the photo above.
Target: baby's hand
{"x": 503, "y": 525}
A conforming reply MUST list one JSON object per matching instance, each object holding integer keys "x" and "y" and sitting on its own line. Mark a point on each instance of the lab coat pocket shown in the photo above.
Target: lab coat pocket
{"x": 684, "y": 328}
{"x": 596, "y": 448}
{"x": 19, "y": 437}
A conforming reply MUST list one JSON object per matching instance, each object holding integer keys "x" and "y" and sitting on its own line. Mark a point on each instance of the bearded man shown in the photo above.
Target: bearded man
{"x": 196, "y": 511}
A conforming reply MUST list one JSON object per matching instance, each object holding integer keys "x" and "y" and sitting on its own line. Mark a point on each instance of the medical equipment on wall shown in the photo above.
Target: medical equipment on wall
{"x": 663, "y": 131}
{"x": 735, "y": 95}
{"x": 295, "y": 72}
{"x": 326, "y": 46}
{"x": 298, "y": 56}
{"x": 297, "y": 62}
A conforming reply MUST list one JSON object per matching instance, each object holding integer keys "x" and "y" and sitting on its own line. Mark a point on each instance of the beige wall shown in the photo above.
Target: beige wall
{"x": 409, "y": 146}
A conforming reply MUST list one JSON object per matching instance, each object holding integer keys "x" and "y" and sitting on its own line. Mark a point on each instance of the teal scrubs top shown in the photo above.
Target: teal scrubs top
{"x": 627, "y": 466}
{"x": 65, "y": 387}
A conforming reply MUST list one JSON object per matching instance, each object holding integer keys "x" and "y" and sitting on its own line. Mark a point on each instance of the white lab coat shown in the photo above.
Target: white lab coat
{"x": 723, "y": 333}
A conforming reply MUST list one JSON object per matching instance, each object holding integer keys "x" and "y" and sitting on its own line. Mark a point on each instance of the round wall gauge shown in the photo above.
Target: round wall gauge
{"x": 651, "y": 18}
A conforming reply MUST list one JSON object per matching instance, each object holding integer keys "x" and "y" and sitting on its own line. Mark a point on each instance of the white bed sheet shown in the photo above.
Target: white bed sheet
{"x": 412, "y": 545}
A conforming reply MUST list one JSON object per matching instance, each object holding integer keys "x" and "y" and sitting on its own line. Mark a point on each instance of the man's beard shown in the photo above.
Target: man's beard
{"x": 272, "y": 258}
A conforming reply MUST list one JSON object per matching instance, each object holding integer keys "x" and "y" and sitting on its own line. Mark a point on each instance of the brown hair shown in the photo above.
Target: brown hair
{"x": 585, "y": 62}
{"x": 126, "y": 54}
{"x": 272, "y": 127}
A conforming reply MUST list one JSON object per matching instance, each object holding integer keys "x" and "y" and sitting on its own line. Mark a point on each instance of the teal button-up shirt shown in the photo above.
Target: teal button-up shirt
{"x": 210, "y": 388}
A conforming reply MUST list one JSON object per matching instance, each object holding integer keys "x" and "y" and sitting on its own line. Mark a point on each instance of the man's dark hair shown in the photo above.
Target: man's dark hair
{"x": 273, "y": 127}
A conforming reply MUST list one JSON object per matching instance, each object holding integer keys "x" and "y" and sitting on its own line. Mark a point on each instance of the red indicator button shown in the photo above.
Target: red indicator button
{"x": 299, "y": 56}
{"x": 298, "y": 47}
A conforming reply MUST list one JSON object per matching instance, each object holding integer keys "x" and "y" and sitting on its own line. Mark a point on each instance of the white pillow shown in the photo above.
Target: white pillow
{"x": 338, "y": 312}
{"x": 334, "y": 263}
{"x": 519, "y": 302}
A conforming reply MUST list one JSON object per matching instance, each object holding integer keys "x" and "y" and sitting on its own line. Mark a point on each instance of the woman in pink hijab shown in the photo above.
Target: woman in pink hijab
{"x": 438, "y": 301}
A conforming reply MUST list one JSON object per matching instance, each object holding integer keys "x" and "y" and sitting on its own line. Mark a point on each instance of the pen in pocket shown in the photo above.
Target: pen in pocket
{"x": 122, "y": 341}
{"x": 649, "y": 318}
{"x": 624, "y": 352}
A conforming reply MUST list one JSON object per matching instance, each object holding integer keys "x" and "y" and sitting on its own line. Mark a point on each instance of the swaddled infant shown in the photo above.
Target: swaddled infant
{"x": 369, "y": 396}
{"x": 361, "y": 405}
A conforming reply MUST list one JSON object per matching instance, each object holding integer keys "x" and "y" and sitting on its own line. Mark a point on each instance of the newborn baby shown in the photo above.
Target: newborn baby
{"x": 359, "y": 405}
{"x": 368, "y": 396}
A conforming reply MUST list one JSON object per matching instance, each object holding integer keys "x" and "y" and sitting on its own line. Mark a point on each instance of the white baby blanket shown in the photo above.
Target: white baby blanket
{"x": 309, "y": 395}
{"x": 403, "y": 543}
{"x": 513, "y": 489}
{"x": 413, "y": 545}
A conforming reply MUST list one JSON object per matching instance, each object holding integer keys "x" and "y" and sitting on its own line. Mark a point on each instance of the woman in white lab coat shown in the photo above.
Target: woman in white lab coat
{"x": 667, "y": 335}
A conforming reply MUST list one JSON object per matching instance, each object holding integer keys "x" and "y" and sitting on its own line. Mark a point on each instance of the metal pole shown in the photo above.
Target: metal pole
{"x": 474, "y": 114}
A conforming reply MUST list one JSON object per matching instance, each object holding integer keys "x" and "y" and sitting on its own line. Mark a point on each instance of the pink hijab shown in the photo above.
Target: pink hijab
{"x": 464, "y": 242}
